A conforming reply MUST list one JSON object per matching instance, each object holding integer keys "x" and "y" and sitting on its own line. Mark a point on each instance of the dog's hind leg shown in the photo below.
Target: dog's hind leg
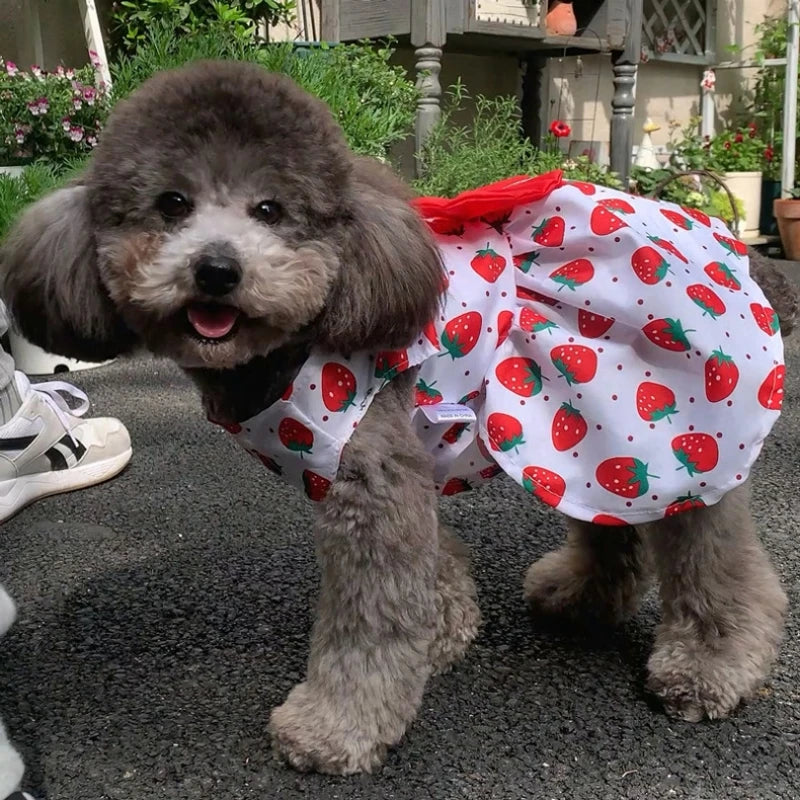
{"x": 377, "y": 546}
{"x": 457, "y": 613}
{"x": 723, "y": 610}
{"x": 601, "y": 573}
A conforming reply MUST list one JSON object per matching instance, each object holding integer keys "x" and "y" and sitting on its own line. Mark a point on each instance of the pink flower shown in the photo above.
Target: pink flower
{"x": 11, "y": 68}
{"x": 70, "y": 73}
{"x": 76, "y": 133}
{"x": 95, "y": 59}
{"x": 39, "y": 107}
{"x": 77, "y": 104}
{"x": 60, "y": 71}
{"x": 89, "y": 95}
{"x": 36, "y": 71}
{"x": 19, "y": 134}
{"x": 66, "y": 124}
{"x": 91, "y": 141}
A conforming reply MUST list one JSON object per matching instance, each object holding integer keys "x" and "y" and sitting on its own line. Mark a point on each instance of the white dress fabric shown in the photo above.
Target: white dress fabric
{"x": 608, "y": 352}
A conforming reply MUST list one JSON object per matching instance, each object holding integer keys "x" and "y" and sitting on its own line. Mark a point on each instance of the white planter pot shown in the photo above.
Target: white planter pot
{"x": 746, "y": 186}
{"x": 15, "y": 172}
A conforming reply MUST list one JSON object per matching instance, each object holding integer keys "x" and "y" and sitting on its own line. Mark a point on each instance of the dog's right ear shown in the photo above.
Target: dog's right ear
{"x": 50, "y": 282}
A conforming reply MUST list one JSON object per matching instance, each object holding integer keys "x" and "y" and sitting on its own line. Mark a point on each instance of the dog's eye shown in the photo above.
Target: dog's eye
{"x": 173, "y": 205}
{"x": 268, "y": 211}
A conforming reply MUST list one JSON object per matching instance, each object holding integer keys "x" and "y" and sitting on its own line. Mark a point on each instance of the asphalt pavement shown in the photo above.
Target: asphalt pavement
{"x": 163, "y": 614}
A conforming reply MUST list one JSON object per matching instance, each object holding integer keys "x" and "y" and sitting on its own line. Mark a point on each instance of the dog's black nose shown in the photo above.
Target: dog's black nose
{"x": 217, "y": 275}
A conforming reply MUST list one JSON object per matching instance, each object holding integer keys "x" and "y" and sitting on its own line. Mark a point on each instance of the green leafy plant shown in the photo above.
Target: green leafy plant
{"x": 53, "y": 116}
{"x": 132, "y": 19}
{"x": 490, "y": 147}
{"x": 372, "y": 99}
{"x": 738, "y": 149}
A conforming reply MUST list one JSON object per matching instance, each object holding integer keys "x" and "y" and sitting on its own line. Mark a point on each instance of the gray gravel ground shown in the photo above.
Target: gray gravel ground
{"x": 163, "y": 614}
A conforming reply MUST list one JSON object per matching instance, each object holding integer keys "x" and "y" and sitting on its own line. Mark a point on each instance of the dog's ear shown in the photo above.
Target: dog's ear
{"x": 49, "y": 280}
{"x": 391, "y": 276}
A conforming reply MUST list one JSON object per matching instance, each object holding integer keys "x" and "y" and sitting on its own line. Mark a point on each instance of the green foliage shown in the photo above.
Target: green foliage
{"x": 36, "y": 180}
{"x": 55, "y": 115}
{"x": 372, "y": 99}
{"x": 131, "y": 20}
{"x": 490, "y": 147}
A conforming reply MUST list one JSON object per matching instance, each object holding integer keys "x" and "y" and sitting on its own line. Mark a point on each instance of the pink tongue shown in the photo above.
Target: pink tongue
{"x": 212, "y": 322}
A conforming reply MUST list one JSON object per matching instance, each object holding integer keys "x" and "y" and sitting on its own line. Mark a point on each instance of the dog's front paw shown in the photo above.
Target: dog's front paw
{"x": 312, "y": 736}
{"x": 697, "y": 684}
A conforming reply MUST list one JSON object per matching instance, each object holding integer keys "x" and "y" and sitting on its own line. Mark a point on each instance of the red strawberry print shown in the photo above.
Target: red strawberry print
{"x": 722, "y": 375}
{"x": 649, "y": 265}
{"x": 618, "y": 205}
{"x": 491, "y": 471}
{"x": 698, "y": 215}
{"x": 505, "y": 432}
{"x": 665, "y": 244}
{"x": 498, "y": 223}
{"x": 721, "y": 273}
{"x": 575, "y": 362}
{"x": 461, "y": 334}
{"x": 766, "y": 318}
{"x": 667, "y": 333}
{"x": 593, "y": 325}
{"x": 270, "y": 463}
{"x": 545, "y": 484}
{"x": 488, "y": 264}
{"x": 390, "y": 363}
{"x": 574, "y": 273}
{"x": 523, "y": 376}
{"x": 426, "y": 395}
{"x": 697, "y": 452}
{"x": 315, "y": 485}
{"x": 529, "y": 294}
{"x": 569, "y": 427}
{"x": 678, "y": 219}
{"x": 338, "y": 386}
{"x": 532, "y": 321}
{"x": 288, "y": 391}
{"x": 603, "y": 222}
{"x": 295, "y": 436}
{"x": 504, "y": 320}
{"x": 707, "y": 299}
{"x": 608, "y": 519}
{"x": 582, "y": 186}
{"x": 549, "y": 232}
{"x": 732, "y": 246}
{"x": 455, "y": 486}
{"x": 484, "y": 451}
{"x": 429, "y": 332}
{"x": 468, "y": 397}
{"x": 685, "y": 503}
{"x": 453, "y": 433}
{"x": 524, "y": 261}
{"x": 770, "y": 393}
{"x": 655, "y": 402}
{"x": 625, "y": 476}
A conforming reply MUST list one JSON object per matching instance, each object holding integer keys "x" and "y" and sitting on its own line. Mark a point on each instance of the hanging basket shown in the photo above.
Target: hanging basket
{"x": 702, "y": 173}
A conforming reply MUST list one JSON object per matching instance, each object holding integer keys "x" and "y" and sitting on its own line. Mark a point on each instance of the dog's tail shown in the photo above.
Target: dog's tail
{"x": 782, "y": 294}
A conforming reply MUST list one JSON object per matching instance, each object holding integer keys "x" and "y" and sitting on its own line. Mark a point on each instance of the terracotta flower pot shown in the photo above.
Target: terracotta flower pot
{"x": 787, "y": 212}
{"x": 560, "y": 19}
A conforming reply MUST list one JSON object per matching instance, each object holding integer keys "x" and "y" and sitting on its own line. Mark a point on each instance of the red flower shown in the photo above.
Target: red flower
{"x": 769, "y": 154}
{"x": 727, "y": 145}
{"x": 739, "y": 138}
{"x": 560, "y": 129}
{"x": 751, "y": 126}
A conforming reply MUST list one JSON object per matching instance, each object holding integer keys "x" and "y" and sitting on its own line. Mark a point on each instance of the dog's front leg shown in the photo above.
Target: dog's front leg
{"x": 376, "y": 540}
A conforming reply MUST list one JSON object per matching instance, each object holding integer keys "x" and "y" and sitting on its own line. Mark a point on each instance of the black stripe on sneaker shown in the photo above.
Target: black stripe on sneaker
{"x": 57, "y": 459}
{"x": 16, "y": 443}
{"x": 75, "y": 446}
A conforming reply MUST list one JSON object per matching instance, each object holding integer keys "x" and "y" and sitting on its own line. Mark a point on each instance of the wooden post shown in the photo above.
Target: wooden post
{"x": 329, "y": 30}
{"x": 532, "y": 105}
{"x": 29, "y": 36}
{"x": 790, "y": 99}
{"x": 625, "y": 64}
{"x": 94, "y": 37}
{"x": 428, "y": 35}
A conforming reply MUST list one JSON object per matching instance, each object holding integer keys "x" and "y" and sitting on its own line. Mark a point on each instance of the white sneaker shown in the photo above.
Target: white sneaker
{"x": 47, "y": 448}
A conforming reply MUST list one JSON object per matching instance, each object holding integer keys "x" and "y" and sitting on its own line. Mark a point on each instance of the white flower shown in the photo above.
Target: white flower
{"x": 95, "y": 59}
{"x": 91, "y": 141}
{"x": 11, "y": 68}
{"x": 70, "y": 73}
{"x": 66, "y": 124}
{"x": 60, "y": 71}
{"x": 77, "y": 104}
{"x": 76, "y": 133}
{"x": 36, "y": 71}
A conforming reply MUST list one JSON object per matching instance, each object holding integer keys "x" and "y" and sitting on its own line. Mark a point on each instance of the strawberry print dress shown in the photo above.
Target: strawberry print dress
{"x": 609, "y": 352}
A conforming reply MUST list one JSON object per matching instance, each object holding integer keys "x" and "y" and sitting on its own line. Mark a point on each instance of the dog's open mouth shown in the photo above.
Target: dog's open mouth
{"x": 212, "y": 322}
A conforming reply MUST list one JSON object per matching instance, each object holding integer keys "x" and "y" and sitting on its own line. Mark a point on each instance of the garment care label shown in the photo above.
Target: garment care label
{"x": 448, "y": 412}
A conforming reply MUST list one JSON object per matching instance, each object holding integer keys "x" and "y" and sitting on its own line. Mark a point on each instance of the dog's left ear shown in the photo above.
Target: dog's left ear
{"x": 50, "y": 281}
{"x": 391, "y": 275}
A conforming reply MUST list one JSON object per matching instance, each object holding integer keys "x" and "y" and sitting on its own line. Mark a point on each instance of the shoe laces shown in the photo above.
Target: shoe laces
{"x": 51, "y": 393}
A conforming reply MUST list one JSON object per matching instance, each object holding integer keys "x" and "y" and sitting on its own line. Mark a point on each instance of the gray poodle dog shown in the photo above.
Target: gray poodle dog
{"x": 222, "y": 181}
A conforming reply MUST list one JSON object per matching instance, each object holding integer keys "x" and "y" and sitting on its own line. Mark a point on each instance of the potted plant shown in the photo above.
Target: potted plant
{"x": 787, "y": 214}
{"x": 51, "y": 117}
